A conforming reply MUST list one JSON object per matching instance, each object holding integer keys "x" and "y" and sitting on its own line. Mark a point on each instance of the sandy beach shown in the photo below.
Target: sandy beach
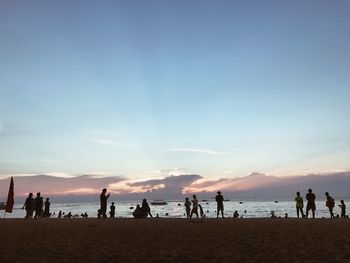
{"x": 175, "y": 240}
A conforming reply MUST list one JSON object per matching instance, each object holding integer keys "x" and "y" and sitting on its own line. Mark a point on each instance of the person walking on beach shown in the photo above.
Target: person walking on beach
{"x": 220, "y": 204}
{"x": 103, "y": 204}
{"x": 47, "y": 208}
{"x": 194, "y": 206}
{"x": 299, "y": 204}
{"x": 343, "y": 208}
{"x": 330, "y": 203}
{"x": 310, "y": 197}
{"x": 29, "y": 206}
{"x": 188, "y": 207}
{"x": 38, "y": 206}
{"x": 112, "y": 212}
{"x": 146, "y": 210}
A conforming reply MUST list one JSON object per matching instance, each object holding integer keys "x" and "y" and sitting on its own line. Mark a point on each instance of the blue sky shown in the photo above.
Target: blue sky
{"x": 146, "y": 89}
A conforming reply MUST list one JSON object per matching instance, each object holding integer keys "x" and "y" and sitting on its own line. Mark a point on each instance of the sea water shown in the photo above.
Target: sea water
{"x": 176, "y": 209}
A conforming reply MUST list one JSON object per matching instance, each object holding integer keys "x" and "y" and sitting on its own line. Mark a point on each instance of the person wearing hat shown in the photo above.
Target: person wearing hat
{"x": 220, "y": 204}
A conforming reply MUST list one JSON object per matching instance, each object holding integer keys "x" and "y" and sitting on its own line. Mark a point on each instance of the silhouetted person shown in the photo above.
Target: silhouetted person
{"x": 299, "y": 204}
{"x": 112, "y": 212}
{"x": 330, "y": 203}
{"x": 194, "y": 206}
{"x": 236, "y": 214}
{"x": 310, "y": 197}
{"x": 29, "y": 206}
{"x": 343, "y": 209}
{"x": 69, "y": 215}
{"x": 38, "y": 206}
{"x": 188, "y": 207}
{"x": 146, "y": 210}
{"x": 60, "y": 214}
{"x": 137, "y": 212}
{"x": 201, "y": 212}
{"x": 273, "y": 214}
{"x": 103, "y": 204}
{"x": 47, "y": 208}
{"x": 220, "y": 204}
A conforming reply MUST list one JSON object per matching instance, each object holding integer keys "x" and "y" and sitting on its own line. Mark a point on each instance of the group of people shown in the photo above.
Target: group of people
{"x": 189, "y": 212}
{"x": 42, "y": 209}
{"x": 36, "y": 205}
{"x": 142, "y": 211}
{"x": 311, "y": 205}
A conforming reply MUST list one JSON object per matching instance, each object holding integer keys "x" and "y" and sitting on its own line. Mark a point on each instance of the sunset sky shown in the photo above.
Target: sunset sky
{"x": 147, "y": 89}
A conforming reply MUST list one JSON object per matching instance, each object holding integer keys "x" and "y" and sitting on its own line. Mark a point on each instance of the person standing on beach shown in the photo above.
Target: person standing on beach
{"x": 29, "y": 206}
{"x": 343, "y": 208}
{"x": 299, "y": 204}
{"x": 103, "y": 203}
{"x": 310, "y": 197}
{"x": 38, "y": 206}
{"x": 194, "y": 206}
{"x": 201, "y": 212}
{"x": 47, "y": 208}
{"x": 112, "y": 212}
{"x": 330, "y": 204}
{"x": 146, "y": 210}
{"x": 220, "y": 204}
{"x": 188, "y": 207}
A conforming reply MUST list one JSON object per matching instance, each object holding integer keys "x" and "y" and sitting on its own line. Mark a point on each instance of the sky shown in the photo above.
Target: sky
{"x": 148, "y": 89}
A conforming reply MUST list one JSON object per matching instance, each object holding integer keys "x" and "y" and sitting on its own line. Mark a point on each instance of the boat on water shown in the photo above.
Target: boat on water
{"x": 159, "y": 202}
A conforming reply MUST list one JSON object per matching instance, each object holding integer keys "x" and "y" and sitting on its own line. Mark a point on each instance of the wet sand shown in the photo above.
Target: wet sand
{"x": 175, "y": 240}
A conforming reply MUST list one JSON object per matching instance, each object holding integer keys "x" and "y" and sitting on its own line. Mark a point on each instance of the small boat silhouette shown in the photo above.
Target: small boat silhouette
{"x": 159, "y": 202}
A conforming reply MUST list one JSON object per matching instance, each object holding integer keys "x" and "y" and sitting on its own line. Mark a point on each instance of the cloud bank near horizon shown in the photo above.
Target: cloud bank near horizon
{"x": 173, "y": 187}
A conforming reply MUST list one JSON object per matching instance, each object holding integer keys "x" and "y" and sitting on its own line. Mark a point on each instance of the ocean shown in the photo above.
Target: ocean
{"x": 176, "y": 209}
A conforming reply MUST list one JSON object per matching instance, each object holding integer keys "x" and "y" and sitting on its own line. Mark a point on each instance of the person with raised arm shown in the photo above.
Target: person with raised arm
{"x": 103, "y": 204}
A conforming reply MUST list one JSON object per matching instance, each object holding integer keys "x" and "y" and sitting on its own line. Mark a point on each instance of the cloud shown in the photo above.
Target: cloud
{"x": 255, "y": 185}
{"x": 98, "y": 132}
{"x": 196, "y": 150}
{"x": 115, "y": 143}
{"x": 170, "y": 181}
{"x": 57, "y": 185}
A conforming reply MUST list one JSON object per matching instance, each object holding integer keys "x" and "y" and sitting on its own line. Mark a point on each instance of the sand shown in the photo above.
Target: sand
{"x": 175, "y": 240}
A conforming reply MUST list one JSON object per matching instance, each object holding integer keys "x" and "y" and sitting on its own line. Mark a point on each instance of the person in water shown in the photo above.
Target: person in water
{"x": 299, "y": 204}
{"x": 220, "y": 204}
{"x": 29, "y": 206}
{"x": 146, "y": 210}
{"x": 330, "y": 203}
{"x": 188, "y": 207}
{"x": 194, "y": 206}
{"x": 310, "y": 197}
{"x": 236, "y": 214}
